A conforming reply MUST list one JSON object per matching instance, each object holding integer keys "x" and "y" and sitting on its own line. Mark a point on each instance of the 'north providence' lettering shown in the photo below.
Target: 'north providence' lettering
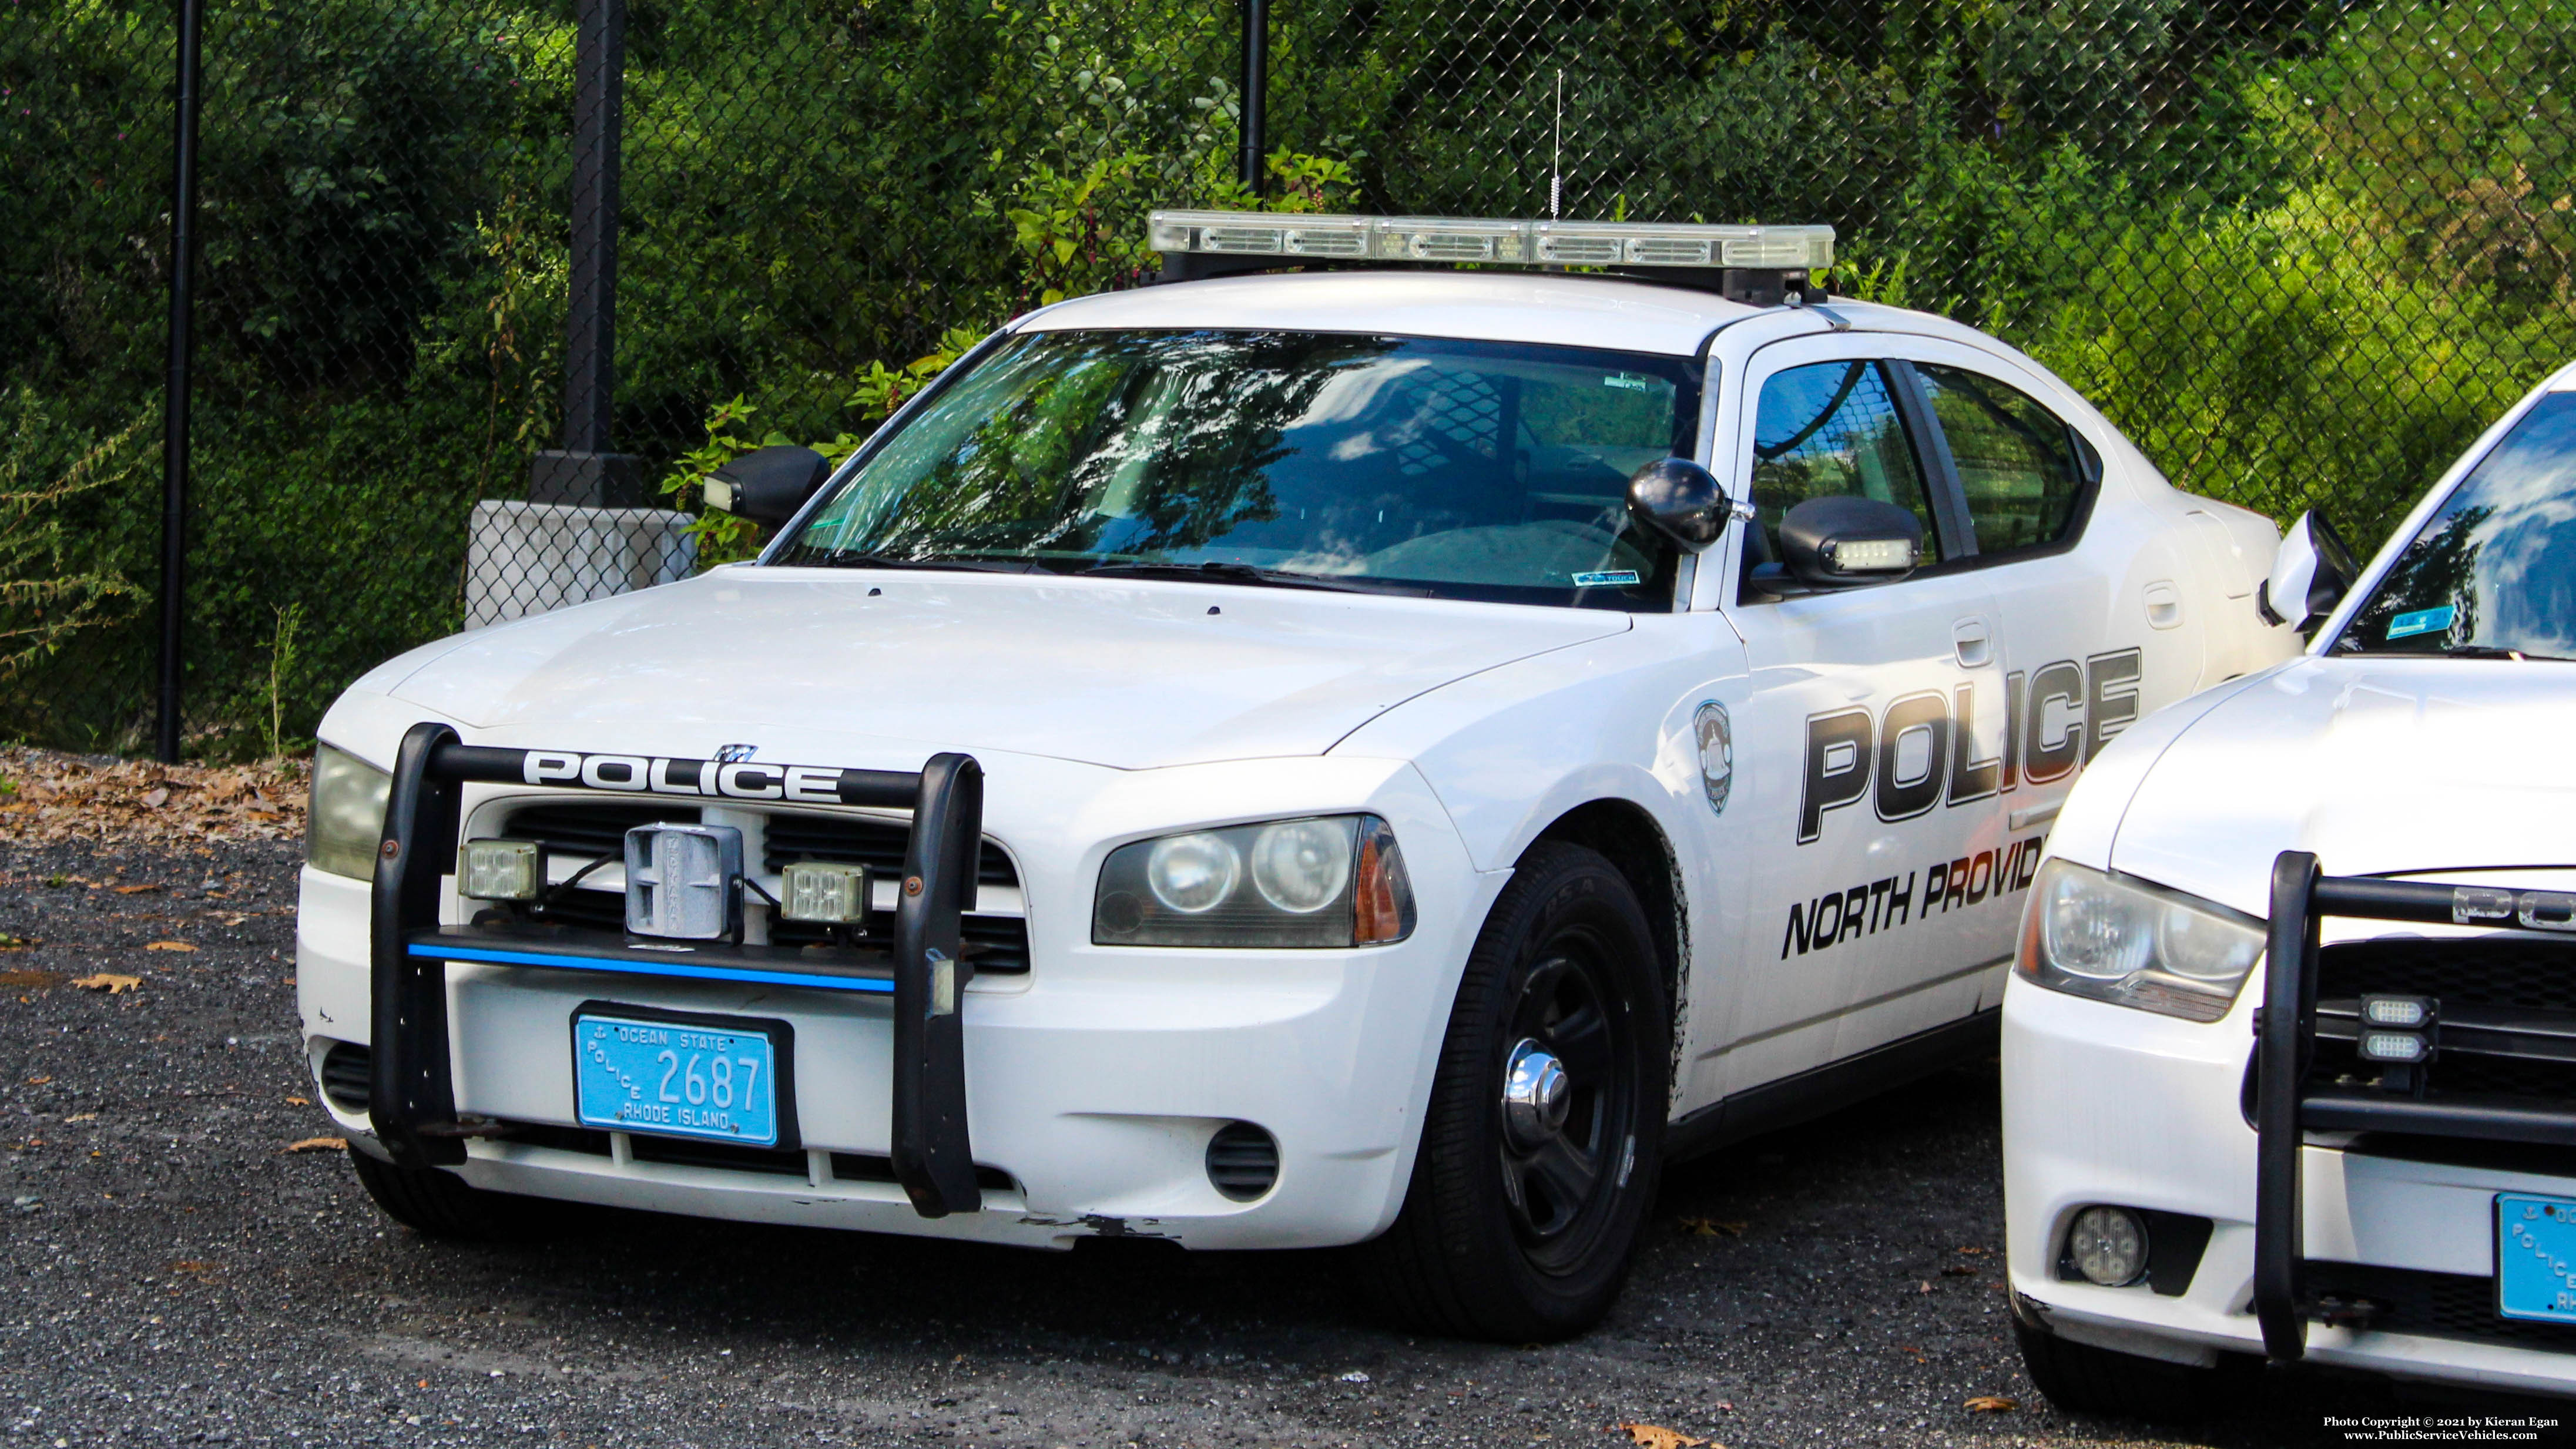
{"x": 1867, "y": 909}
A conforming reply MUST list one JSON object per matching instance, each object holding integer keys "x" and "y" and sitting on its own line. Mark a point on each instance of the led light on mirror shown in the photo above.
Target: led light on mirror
{"x": 502, "y": 870}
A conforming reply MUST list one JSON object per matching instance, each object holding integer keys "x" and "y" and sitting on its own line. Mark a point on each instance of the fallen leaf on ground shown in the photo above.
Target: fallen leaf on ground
{"x": 299, "y": 1101}
{"x": 31, "y": 978}
{"x": 38, "y": 1081}
{"x": 1656, "y": 1436}
{"x": 1958, "y": 1270}
{"x": 169, "y": 946}
{"x": 65, "y": 797}
{"x": 318, "y": 1144}
{"x": 82, "y": 1117}
{"x": 109, "y": 982}
{"x": 1923, "y": 1288}
{"x": 1992, "y": 1404}
{"x": 136, "y": 890}
{"x": 1713, "y": 1228}
{"x": 13, "y": 943}
{"x": 192, "y": 1266}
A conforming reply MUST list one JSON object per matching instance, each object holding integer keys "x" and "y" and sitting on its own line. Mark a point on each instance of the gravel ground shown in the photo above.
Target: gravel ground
{"x": 175, "y": 1274}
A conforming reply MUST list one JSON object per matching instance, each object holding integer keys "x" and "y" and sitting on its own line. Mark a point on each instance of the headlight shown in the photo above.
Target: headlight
{"x": 1330, "y": 881}
{"x": 2120, "y": 940}
{"x": 344, "y": 820}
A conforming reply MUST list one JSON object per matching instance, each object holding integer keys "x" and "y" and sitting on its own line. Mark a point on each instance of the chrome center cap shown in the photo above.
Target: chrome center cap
{"x": 1537, "y": 1095}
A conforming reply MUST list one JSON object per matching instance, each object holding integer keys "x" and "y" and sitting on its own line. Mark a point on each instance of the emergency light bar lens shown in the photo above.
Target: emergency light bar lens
{"x": 502, "y": 870}
{"x": 2407, "y": 1013}
{"x": 830, "y": 891}
{"x": 1487, "y": 239}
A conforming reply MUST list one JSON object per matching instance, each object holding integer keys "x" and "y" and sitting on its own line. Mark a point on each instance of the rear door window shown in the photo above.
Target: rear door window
{"x": 2018, "y": 462}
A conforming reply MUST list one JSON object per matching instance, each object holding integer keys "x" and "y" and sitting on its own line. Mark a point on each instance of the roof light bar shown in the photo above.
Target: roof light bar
{"x": 1482, "y": 239}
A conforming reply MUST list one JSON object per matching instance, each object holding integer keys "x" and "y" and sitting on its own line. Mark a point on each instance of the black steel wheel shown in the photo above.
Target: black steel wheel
{"x": 1540, "y": 1152}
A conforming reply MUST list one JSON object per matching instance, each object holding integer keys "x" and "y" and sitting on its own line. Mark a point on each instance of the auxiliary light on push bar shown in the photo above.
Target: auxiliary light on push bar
{"x": 1474, "y": 239}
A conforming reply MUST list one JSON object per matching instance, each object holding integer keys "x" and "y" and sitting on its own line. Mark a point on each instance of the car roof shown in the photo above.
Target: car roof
{"x": 1495, "y": 306}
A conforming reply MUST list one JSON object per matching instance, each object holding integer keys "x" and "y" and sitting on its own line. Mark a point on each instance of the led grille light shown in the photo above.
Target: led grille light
{"x": 1486, "y": 239}
{"x": 2400, "y": 1048}
{"x": 502, "y": 870}
{"x": 2406, "y": 1013}
{"x": 833, "y": 892}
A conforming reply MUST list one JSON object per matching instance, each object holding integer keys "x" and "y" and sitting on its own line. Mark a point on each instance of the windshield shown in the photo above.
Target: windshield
{"x": 1471, "y": 470}
{"x": 2493, "y": 571}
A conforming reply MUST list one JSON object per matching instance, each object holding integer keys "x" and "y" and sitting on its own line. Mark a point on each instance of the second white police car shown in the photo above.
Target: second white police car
{"x": 2290, "y": 1061}
{"x": 1384, "y": 754}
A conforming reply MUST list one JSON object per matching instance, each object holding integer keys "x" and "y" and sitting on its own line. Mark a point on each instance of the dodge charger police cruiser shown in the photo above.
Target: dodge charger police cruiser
{"x": 1371, "y": 752}
{"x": 2290, "y": 1054}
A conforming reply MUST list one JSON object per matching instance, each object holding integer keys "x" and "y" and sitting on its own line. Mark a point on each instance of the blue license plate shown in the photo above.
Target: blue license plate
{"x": 673, "y": 1079}
{"x": 2536, "y": 1257}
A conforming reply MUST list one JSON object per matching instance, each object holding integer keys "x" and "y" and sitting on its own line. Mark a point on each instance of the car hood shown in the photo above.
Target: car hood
{"x": 1125, "y": 673}
{"x": 2379, "y": 766}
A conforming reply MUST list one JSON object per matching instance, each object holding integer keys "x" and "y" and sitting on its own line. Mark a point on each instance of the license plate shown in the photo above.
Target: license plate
{"x": 2536, "y": 1257}
{"x": 716, "y": 1082}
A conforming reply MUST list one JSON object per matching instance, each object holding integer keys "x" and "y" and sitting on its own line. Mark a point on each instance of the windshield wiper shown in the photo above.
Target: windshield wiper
{"x": 1242, "y": 573}
{"x": 967, "y": 562}
{"x": 2490, "y": 651}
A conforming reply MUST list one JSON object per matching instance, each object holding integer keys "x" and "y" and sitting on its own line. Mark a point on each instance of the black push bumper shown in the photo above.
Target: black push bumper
{"x": 413, "y": 1106}
{"x": 2287, "y": 1104}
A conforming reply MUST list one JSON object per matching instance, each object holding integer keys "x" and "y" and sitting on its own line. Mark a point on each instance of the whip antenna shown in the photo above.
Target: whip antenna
{"x": 1556, "y": 161}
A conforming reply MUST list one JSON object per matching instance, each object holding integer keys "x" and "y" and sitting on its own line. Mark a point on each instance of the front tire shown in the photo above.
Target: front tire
{"x": 1543, "y": 1143}
{"x": 439, "y": 1204}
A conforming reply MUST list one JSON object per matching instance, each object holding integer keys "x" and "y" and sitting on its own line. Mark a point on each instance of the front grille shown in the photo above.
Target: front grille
{"x": 1242, "y": 1161}
{"x": 682, "y": 1152}
{"x": 2505, "y": 972}
{"x": 2433, "y": 1305}
{"x": 2502, "y": 982}
{"x": 590, "y": 829}
{"x": 853, "y": 839}
{"x": 348, "y": 1076}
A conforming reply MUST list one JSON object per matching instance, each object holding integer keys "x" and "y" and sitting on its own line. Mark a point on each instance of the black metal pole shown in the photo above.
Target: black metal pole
{"x": 584, "y": 471}
{"x": 590, "y": 377}
{"x": 1256, "y": 90}
{"x": 174, "y": 401}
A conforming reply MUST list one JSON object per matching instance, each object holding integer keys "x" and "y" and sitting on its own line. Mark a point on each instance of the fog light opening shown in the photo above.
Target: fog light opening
{"x": 2108, "y": 1245}
{"x": 1243, "y": 1161}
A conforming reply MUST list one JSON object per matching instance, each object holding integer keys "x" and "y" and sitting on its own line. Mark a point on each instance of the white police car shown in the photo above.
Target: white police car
{"x": 2369, "y": 1160}
{"x": 1387, "y": 753}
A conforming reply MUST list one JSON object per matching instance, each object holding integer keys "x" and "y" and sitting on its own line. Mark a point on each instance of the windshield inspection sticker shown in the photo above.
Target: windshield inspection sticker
{"x": 2422, "y": 621}
{"x": 1629, "y": 380}
{"x": 1606, "y": 577}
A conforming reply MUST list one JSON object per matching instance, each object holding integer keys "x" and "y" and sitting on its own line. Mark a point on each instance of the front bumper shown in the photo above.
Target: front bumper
{"x": 1094, "y": 1083}
{"x": 2104, "y": 1104}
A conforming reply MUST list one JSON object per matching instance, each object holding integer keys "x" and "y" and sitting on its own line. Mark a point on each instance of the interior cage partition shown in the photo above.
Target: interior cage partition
{"x": 2287, "y": 1106}
{"x": 413, "y": 1102}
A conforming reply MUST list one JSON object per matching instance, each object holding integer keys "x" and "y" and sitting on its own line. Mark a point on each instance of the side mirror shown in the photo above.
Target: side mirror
{"x": 1840, "y": 541}
{"x": 1680, "y": 500}
{"x": 767, "y": 485}
{"x": 2310, "y": 575}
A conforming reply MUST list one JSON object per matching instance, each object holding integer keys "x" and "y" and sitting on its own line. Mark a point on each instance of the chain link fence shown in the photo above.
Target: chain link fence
{"x": 2300, "y": 252}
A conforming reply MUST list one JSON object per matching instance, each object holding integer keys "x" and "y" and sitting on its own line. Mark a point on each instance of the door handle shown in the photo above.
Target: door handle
{"x": 1973, "y": 642}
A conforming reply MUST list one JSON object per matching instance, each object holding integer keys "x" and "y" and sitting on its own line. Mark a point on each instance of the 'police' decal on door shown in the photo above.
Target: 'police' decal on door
{"x": 1919, "y": 751}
